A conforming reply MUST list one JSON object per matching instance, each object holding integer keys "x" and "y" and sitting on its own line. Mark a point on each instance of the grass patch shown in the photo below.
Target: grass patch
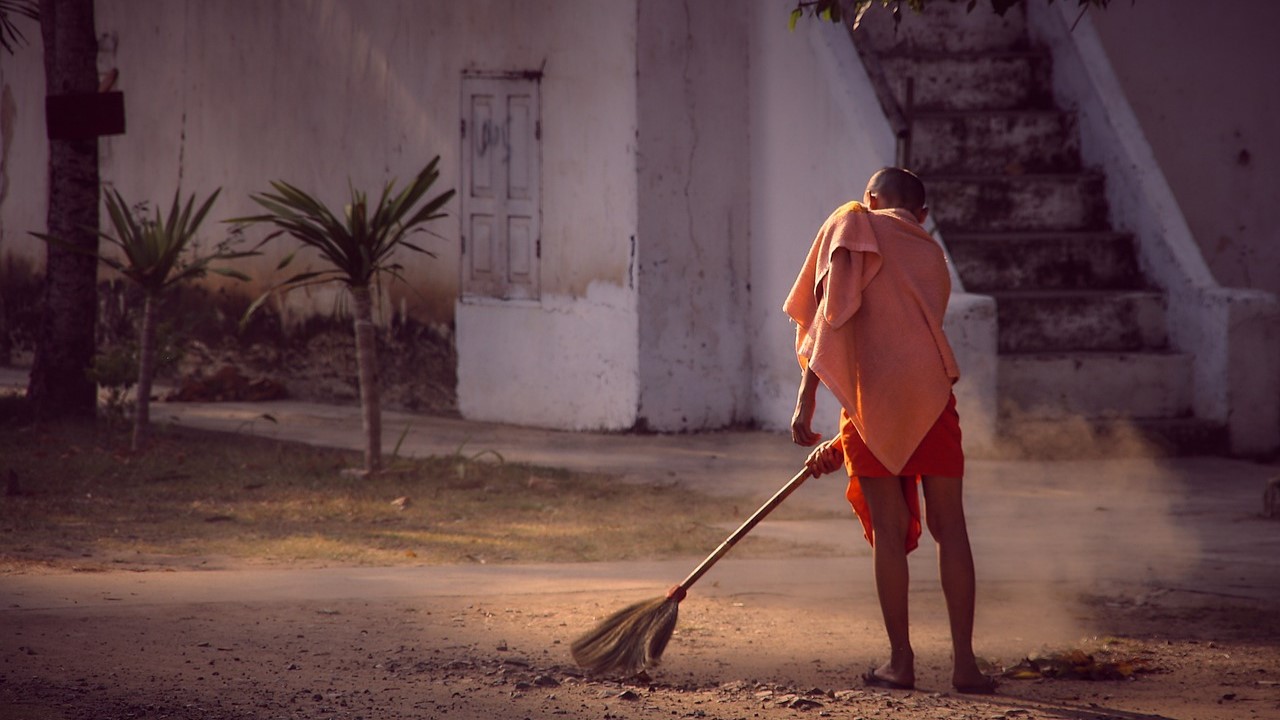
{"x": 75, "y": 498}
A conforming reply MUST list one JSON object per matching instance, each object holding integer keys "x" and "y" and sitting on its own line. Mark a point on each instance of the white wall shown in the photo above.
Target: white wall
{"x": 692, "y": 246}
{"x": 1201, "y": 85}
{"x": 689, "y": 154}
{"x": 565, "y": 363}
{"x": 231, "y": 94}
{"x": 812, "y": 149}
{"x": 570, "y": 359}
{"x": 1201, "y": 81}
{"x": 1233, "y": 334}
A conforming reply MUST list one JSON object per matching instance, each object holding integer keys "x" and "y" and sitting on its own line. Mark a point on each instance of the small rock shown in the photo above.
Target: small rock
{"x": 818, "y": 692}
{"x": 545, "y": 681}
{"x": 629, "y": 695}
{"x": 401, "y": 502}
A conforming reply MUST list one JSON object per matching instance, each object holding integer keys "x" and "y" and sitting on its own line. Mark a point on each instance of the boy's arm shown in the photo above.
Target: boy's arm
{"x": 827, "y": 457}
{"x": 806, "y": 402}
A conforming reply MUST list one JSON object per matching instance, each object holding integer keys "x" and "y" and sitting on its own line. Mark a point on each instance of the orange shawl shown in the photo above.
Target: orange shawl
{"x": 868, "y": 306}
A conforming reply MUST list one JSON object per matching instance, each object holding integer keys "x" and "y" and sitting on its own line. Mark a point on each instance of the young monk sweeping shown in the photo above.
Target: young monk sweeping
{"x": 868, "y": 305}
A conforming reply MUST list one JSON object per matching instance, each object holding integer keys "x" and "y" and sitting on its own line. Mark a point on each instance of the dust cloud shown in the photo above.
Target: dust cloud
{"x": 1105, "y": 520}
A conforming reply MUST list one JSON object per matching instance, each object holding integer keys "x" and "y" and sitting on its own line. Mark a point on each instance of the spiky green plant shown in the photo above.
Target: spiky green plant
{"x": 359, "y": 247}
{"x": 154, "y": 255}
{"x": 10, "y": 34}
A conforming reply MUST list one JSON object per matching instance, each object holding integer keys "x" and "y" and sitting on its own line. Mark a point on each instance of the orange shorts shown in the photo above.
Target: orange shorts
{"x": 939, "y": 454}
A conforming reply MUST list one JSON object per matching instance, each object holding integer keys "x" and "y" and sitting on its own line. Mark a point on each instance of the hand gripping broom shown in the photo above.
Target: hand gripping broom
{"x": 634, "y": 638}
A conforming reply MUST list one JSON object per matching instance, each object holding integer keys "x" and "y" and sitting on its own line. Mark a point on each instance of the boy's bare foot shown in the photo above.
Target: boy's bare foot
{"x": 886, "y": 676}
{"x": 974, "y": 682}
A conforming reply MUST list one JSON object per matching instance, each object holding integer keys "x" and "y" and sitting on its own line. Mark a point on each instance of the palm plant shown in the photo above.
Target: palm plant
{"x": 153, "y": 255}
{"x": 358, "y": 247}
{"x": 10, "y": 34}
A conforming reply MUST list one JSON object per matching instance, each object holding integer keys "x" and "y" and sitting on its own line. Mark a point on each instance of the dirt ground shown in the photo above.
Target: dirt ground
{"x": 1164, "y": 572}
{"x": 505, "y": 656}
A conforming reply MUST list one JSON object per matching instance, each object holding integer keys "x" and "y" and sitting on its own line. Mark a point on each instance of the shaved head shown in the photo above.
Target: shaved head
{"x": 894, "y": 187}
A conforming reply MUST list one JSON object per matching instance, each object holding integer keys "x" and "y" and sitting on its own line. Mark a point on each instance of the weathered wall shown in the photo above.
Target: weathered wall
{"x": 566, "y": 363}
{"x": 807, "y": 158}
{"x": 692, "y": 249}
{"x": 1231, "y": 332}
{"x": 569, "y": 359}
{"x": 689, "y": 152}
{"x": 234, "y": 94}
{"x": 1201, "y": 81}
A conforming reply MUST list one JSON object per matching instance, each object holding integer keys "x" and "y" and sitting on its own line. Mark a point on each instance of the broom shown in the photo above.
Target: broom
{"x": 634, "y": 638}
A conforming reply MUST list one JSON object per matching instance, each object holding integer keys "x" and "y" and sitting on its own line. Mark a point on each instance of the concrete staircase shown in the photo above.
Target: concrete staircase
{"x": 1084, "y": 362}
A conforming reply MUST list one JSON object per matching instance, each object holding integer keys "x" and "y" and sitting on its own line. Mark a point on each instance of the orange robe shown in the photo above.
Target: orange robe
{"x": 940, "y": 453}
{"x": 868, "y": 305}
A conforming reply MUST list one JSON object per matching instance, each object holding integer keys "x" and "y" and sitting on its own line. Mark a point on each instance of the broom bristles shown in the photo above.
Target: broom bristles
{"x": 629, "y": 640}
{"x": 634, "y": 638}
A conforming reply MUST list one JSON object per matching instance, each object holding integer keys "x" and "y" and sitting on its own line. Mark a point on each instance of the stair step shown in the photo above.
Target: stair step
{"x": 946, "y": 27}
{"x": 969, "y": 81}
{"x": 1083, "y": 370}
{"x": 1011, "y": 203}
{"x": 1077, "y": 438}
{"x": 1049, "y": 386}
{"x": 1045, "y": 261}
{"x": 994, "y": 142}
{"x": 1081, "y": 321}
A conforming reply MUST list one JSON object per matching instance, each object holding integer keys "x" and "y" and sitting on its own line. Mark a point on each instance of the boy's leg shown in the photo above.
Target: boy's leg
{"x": 890, "y": 519}
{"x": 944, "y": 514}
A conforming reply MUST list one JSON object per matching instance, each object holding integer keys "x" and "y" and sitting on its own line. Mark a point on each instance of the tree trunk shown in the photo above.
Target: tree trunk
{"x": 146, "y": 370}
{"x": 59, "y": 384}
{"x": 367, "y": 364}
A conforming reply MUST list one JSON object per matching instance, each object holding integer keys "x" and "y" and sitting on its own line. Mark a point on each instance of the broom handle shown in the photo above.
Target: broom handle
{"x": 745, "y": 528}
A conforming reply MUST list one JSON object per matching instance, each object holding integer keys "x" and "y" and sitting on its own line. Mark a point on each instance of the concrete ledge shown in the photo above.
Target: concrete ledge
{"x": 970, "y": 325}
{"x": 1097, "y": 385}
{"x": 563, "y": 363}
{"x": 1236, "y": 334}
